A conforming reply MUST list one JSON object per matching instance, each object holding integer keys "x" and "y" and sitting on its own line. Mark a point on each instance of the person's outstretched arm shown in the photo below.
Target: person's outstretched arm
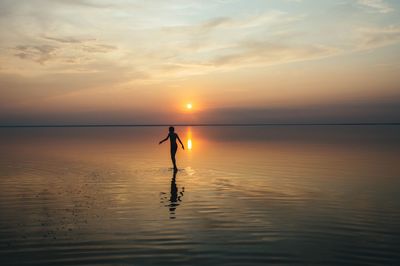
{"x": 183, "y": 147}
{"x": 164, "y": 140}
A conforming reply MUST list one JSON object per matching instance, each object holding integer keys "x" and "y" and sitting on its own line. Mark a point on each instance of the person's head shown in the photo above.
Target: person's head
{"x": 171, "y": 129}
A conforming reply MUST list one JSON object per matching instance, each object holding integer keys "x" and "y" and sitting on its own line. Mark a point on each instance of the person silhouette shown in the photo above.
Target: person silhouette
{"x": 174, "y": 146}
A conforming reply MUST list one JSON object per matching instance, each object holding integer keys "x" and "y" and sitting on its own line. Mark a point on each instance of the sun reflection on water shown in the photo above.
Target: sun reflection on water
{"x": 189, "y": 139}
{"x": 189, "y": 144}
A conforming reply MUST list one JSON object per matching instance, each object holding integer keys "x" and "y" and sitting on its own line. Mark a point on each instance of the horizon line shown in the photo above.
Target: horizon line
{"x": 204, "y": 125}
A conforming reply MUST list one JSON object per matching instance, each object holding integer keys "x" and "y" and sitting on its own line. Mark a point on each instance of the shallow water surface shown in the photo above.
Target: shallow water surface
{"x": 242, "y": 196}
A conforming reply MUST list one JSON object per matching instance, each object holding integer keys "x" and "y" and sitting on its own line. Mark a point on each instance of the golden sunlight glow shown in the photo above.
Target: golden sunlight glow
{"x": 189, "y": 144}
{"x": 189, "y": 139}
{"x": 189, "y": 106}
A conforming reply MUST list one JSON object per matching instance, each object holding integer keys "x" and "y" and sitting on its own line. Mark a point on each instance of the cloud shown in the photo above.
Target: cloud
{"x": 268, "y": 18}
{"x": 62, "y": 49}
{"x": 381, "y": 110}
{"x": 216, "y": 22}
{"x": 377, "y": 111}
{"x": 270, "y": 52}
{"x": 19, "y": 89}
{"x": 265, "y": 19}
{"x": 84, "y": 3}
{"x": 234, "y": 42}
{"x": 65, "y": 39}
{"x": 379, "y": 6}
{"x": 37, "y": 53}
{"x": 374, "y": 37}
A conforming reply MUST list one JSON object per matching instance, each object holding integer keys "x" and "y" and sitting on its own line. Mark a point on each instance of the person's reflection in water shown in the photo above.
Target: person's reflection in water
{"x": 175, "y": 197}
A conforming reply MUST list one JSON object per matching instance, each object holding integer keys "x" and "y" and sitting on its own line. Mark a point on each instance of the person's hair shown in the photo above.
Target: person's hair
{"x": 171, "y": 129}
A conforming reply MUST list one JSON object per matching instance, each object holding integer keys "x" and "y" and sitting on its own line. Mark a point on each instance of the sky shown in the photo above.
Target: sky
{"x": 235, "y": 61}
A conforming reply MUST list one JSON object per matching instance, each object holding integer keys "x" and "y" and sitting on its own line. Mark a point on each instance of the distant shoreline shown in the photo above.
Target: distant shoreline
{"x": 204, "y": 125}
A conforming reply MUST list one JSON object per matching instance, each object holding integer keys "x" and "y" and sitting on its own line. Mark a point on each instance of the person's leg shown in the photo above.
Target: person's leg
{"x": 173, "y": 153}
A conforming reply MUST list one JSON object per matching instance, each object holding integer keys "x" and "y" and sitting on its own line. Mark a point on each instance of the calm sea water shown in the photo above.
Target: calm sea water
{"x": 243, "y": 196}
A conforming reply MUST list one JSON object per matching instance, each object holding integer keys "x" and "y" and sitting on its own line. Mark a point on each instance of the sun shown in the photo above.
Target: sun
{"x": 189, "y": 106}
